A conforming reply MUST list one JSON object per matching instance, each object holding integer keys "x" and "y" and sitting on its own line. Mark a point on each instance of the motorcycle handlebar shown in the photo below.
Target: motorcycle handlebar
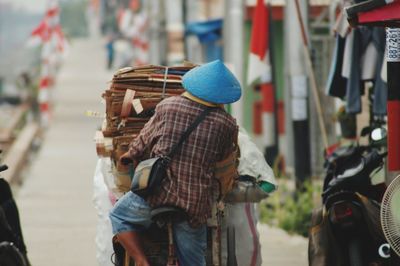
{"x": 384, "y": 154}
{"x": 374, "y": 160}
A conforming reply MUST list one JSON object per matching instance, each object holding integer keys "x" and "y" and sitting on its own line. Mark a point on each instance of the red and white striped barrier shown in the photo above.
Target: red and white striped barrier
{"x": 48, "y": 34}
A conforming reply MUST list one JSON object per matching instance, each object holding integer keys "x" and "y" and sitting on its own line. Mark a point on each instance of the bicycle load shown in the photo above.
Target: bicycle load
{"x": 177, "y": 158}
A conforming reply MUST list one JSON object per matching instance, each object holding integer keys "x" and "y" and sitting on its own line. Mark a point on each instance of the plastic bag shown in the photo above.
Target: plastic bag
{"x": 252, "y": 161}
{"x": 256, "y": 178}
{"x": 246, "y": 190}
{"x": 115, "y": 181}
{"x": 244, "y": 218}
{"x": 103, "y": 205}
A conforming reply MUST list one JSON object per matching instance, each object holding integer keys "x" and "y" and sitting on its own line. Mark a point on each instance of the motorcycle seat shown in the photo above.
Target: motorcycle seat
{"x": 165, "y": 214}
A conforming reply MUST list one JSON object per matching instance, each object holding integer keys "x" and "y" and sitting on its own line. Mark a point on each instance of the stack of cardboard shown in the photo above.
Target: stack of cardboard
{"x": 130, "y": 102}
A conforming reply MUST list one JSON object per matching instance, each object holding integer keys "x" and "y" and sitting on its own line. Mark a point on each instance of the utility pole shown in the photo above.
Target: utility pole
{"x": 175, "y": 31}
{"x": 155, "y": 33}
{"x": 193, "y": 45}
{"x": 297, "y": 94}
{"x": 233, "y": 49}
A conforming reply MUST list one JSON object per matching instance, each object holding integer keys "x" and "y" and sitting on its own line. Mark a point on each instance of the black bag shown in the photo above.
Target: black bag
{"x": 150, "y": 173}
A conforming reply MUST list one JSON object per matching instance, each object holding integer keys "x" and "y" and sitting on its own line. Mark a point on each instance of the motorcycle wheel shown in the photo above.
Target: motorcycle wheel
{"x": 10, "y": 255}
{"x": 231, "y": 260}
{"x": 355, "y": 252}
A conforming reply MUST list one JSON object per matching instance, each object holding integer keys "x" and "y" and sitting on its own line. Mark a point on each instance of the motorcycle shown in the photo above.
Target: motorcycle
{"x": 158, "y": 241}
{"x": 349, "y": 231}
{"x": 12, "y": 247}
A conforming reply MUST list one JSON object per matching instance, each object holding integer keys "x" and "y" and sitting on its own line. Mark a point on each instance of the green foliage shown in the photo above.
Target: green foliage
{"x": 289, "y": 210}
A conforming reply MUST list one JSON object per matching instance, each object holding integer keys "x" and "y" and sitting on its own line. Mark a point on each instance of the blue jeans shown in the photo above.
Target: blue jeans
{"x": 132, "y": 213}
{"x": 190, "y": 244}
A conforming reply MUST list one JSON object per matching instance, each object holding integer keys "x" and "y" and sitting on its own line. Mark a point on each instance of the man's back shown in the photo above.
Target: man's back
{"x": 190, "y": 174}
{"x": 189, "y": 179}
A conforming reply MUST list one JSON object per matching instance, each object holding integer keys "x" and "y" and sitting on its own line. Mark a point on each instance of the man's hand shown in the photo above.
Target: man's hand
{"x": 125, "y": 159}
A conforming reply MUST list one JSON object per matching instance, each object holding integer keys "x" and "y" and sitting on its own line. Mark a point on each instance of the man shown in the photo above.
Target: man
{"x": 189, "y": 180}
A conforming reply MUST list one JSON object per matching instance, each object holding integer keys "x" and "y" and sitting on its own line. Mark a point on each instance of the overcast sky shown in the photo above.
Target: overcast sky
{"x": 37, "y": 6}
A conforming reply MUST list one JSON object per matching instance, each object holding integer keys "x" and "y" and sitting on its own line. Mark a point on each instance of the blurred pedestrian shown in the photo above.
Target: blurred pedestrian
{"x": 110, "y": 51}
{"x": 134, "y": 23}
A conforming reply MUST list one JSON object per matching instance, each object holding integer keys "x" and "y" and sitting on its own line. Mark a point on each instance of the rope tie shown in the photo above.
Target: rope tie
{"x": 165, "y": 82}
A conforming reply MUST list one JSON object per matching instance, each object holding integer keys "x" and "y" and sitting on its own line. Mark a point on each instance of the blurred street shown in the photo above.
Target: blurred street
{"x": 57, "y": 214}
{"x": 313, "y": 84}
{"x": 280, "y": 248}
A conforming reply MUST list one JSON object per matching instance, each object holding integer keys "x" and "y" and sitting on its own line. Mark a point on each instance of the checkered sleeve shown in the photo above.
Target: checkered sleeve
{"x": 229, "y": 141}
{"x": 139, "y": 145}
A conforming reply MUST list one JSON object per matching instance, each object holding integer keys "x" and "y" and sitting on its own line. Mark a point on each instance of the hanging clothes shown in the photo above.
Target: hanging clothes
{"x": 336, "y": 84}
{"x": 380, "y": 85}
{"x": 371, "y": 55}
{"x": 348, "y": 50}
{"x": 355, "y": 86}
{"x": 359, "y": 58}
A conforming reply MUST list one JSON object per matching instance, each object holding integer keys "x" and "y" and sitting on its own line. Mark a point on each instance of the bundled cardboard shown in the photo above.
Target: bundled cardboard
{"x": 130, "y": 102}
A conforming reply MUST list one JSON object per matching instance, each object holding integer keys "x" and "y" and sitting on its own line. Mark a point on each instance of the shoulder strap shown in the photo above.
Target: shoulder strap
{"x": 189, "y": 130}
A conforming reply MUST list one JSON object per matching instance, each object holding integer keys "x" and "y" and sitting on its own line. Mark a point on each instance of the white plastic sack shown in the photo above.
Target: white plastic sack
{"x": 103, "y": 205}
{"x": 252, "y": 161}
{"x": 243, "y": 217}
{"x": 110, "y": 179}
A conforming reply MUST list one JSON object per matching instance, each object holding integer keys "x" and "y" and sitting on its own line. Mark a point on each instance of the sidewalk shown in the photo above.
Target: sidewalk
{"x": 55, "y": 202}
{"x": 280, "y": 249}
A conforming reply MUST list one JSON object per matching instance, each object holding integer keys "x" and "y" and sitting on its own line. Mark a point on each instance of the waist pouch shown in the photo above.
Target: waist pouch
{"x": 149, "y": 175}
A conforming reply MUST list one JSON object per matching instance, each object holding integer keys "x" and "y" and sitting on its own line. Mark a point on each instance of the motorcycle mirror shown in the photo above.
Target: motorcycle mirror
{"x": 378, "y": 134}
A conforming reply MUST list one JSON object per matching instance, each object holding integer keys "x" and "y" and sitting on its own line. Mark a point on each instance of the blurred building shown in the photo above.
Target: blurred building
{"x": 205, "y": 30}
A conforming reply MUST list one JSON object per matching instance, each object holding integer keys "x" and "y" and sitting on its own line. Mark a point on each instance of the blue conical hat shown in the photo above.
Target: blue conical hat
{"x": 213, "y": 82}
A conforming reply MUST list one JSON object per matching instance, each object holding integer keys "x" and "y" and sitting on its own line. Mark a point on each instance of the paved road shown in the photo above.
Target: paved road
{"x": 280, "y": 249}
{"x": 55, "y": 202}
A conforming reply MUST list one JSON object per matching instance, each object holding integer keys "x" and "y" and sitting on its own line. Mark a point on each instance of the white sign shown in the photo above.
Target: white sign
{"x": 299, "y": 86}
{"x": 299, "y": 97}
{"x": 299, "y": 109}
{"x": 137, "y": 105}
{"x": 393, "y": 44}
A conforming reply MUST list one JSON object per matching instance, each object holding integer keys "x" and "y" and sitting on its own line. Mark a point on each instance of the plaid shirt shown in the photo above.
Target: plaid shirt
{"x": 189, "y": 180}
